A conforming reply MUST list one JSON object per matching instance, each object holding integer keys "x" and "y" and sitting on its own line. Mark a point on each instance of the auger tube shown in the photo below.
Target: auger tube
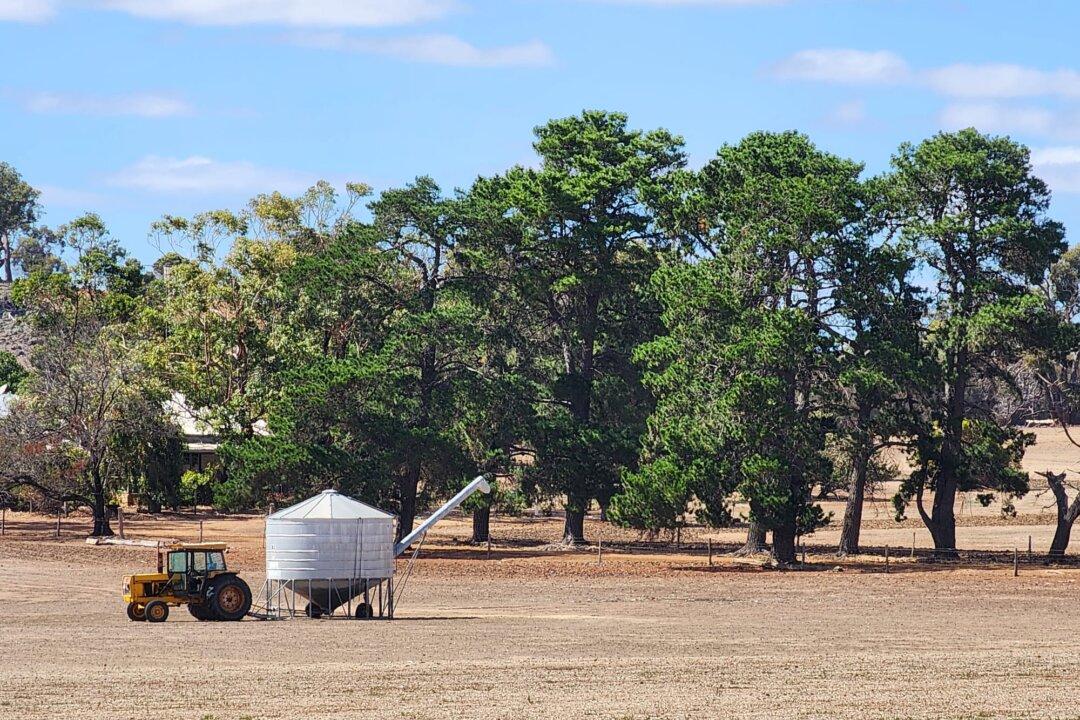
{"x": 478, "y": 483}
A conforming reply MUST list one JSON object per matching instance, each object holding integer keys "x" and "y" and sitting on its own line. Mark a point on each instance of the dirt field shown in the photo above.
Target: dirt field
{"x": 651, "y": 632}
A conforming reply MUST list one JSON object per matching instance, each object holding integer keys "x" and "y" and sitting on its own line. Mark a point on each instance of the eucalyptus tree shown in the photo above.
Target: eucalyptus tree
{"x": 976, "y": 216}
{"x": 19, "y": 210}
{"x": 89, "y": 388}
{"x": 218, "y": 314}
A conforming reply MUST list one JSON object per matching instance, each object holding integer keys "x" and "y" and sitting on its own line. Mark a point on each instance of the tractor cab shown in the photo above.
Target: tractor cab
{"x": 190, "y": 566}
{"x": 191, "y": 574}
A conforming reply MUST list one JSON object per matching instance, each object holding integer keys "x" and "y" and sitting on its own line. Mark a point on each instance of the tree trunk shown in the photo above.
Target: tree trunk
{"x": 574, "y": 526}
{"x": 755, "y": 541}
{"x": 849, "y": 533}
{"x": 783, "y": 545}
{"x": 5, "y": 247}
{"x": 943, "y": 513}
{"x": 407, "y": 489}
{"x": 481, "y": 523}
{"x": 101, "y": 511}
{"x": 604, "y": 501}
{"x": 1066, "y": 513}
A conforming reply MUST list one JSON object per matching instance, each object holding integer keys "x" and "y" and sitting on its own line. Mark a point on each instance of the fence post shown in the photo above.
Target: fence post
{"x": 912, "y": 544}
{"x": 120, "y": 520}
{"x": 1029, "y": 548}
{"x": 489, "y": 544}
{"x": 58, "y": 522}
{"x": 710, "y": 552}
{"x": 599, "y": 550}
{"x": 886, "y": 559}
{"x": 1016, "y": 562}
{"x": 3, "y": 521}
{"x": 200, "y": 531}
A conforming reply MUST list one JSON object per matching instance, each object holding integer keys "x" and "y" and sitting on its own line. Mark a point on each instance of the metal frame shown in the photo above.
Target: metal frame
{"x": 283, "y": 602}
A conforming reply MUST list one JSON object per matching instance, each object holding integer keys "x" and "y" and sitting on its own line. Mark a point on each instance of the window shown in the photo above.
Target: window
{"x": 215, "y": 561}
{"x": 199, "y": 562}
{"x": 178, "y": 562}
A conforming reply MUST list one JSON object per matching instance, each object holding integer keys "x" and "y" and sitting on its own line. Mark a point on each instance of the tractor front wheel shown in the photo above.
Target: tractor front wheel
{"x": 156, "y": 611}
{"x": 228, "y": 598}
{"x": 136, "y": 612}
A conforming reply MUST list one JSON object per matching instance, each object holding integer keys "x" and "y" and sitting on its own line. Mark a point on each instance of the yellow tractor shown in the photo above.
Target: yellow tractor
{"x": 192, "y": 574}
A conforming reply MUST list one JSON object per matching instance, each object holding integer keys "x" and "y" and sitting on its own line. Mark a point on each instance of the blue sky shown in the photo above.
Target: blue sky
{"x": 135, "y": 108}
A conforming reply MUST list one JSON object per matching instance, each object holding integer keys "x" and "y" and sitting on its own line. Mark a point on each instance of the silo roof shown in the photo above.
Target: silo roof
{"x": 329, "y": 505}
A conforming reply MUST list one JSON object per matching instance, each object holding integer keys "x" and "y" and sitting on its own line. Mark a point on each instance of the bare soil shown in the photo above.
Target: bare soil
{"x": 649, "y": 631}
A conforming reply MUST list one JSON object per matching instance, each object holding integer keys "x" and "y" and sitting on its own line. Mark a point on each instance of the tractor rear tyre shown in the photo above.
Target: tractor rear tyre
{"x": 136, "y": 612}
{"x": 313, "y": 611}
{"x": 364, "y": 612}
{"x": 156, "y": 611}
{"x": 228, "y": 598}
{"x": 199, "y": 612}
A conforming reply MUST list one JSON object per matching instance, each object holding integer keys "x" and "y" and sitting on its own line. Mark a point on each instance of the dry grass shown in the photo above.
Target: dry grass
{"x": 653, "y": 632}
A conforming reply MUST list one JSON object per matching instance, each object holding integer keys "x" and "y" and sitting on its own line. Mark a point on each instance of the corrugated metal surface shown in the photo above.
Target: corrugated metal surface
{"x": 310, "y": 544}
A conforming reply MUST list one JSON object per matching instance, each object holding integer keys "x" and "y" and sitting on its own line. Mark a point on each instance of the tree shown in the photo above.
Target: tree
{"x": 89, "y": 388}
{"x": 586, "y": 245}
{"x": 212, "y": 324}
{"x": 746, "y": 374}
{"x": 975, "y": 215}
{"x": 435, "y": 343}
{"x": 500, "y": 415}
{"x": 880, "y": 365}
{"x": 18, "y": 212}
{"x": 1056, "y": 367}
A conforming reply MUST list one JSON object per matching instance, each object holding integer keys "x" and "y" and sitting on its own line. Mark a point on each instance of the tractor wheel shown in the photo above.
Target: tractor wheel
{"x": 228, "y": 598}
{"x": 313, "y": 611}
{"x": 364, "y": 612}
{"x": 199, "y": 612}
{"x": 156, "y": 611}
{"x": 136, "y": 612}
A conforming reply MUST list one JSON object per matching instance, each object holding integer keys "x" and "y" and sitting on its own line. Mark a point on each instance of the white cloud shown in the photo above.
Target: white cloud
{"x": 437, "y": 49}
{"x": 1059, "y": 167}
{"x": 202, "y": 175}
{"x": 995, "y": 80}
{"x": 843, "y": 65}
{"x": 26, "y": 10}
{"x": 309, "y": 13}
{"x": 148, "y": 105}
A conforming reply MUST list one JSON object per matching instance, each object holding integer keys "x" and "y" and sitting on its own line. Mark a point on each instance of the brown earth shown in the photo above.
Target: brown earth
{"x": 650, "y": 631}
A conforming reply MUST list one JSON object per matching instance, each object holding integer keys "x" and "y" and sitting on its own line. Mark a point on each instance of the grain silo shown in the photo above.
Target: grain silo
{"x": 329, "y": 549}
{"x": 331, "y": 553}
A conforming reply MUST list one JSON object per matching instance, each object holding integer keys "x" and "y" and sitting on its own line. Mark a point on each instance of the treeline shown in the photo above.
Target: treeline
{"x": 662, "y": 341}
